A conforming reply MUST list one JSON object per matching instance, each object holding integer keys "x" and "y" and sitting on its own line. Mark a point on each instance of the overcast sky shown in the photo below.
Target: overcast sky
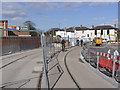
{"x": 48, "y": 15}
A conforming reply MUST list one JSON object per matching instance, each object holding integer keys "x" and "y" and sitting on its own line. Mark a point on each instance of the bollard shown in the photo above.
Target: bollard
{"x": 98, "y": 58}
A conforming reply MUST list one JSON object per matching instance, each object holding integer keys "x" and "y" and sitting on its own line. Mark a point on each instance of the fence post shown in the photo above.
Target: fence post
{"x": 98, "y": 57}
{"x": 50, "y": 44}
{"x": 114, "y": 61}
{"x": 89, "y": 55}
{"x": 43, "y": 42}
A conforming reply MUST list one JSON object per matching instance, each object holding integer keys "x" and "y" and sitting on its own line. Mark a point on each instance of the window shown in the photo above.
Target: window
{"x": 95, "y": 32}
{"x": 102, "y": 32}
{"x": 107, "y": 31}
{"x": 87, "y": 35}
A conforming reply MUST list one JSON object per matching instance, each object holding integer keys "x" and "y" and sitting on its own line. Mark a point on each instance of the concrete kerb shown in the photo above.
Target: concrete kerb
{"x": 111, "y": 80}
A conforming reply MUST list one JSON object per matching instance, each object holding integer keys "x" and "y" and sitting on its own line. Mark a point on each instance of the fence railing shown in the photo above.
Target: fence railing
{"x": 107, "y": 63}
{"x": 52, "y": 69}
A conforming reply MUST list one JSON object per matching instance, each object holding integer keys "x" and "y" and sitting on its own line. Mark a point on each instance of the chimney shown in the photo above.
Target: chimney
{"x": 73, "y": 28}
{"x": 65, "y": 28}
{"x": 92, "y": 26}
{"x": 115, "y": 25}
{"x": 80, "y": 25}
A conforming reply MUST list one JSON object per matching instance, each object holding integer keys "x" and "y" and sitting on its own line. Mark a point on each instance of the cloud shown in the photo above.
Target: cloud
{"x": 115, "y": 21}
{"x": 53, "y": 5}
{"x": 13, "y": 12}
{"x": 42, "y": 19}
{"x": 71, "y": 4}
{"x": 60, "y": 0}
{"x": 99, "y": 18}
{"x": 112, "y": 22}
{"x": 12, "y": 9}
{"x": 43, "y": 5}
{"x": 101, "y": 3}
{"x": 5, "y": 12}
{"x": 16, "y": 19}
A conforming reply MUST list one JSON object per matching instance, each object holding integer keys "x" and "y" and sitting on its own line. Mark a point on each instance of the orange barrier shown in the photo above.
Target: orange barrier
{"x": 108, "y": 64}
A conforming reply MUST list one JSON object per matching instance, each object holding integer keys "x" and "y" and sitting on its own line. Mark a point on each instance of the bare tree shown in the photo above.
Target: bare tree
{"x": 30, "y": 24}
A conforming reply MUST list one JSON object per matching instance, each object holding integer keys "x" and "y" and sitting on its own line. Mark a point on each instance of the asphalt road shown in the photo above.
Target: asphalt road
{"x": 22, "y": 69}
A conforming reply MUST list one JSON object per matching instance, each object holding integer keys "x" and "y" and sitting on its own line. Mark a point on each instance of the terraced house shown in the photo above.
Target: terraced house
{"x": 104, "y": 31}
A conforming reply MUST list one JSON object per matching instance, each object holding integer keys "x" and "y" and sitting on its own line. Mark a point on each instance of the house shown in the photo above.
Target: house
{"x": 103, "y": 31}
{"x": 82, "y": 32}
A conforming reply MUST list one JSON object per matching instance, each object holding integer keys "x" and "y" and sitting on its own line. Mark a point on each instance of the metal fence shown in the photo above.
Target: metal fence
{"x": 52, "y": 46}
{"x": 15, "y": 44}
{"x": 102, "y": 60}
{"x": 52, "y": 70}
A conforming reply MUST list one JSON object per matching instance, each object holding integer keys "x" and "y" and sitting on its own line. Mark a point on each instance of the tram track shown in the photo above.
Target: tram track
{"x": 65, "y": 62}
{"x": 17, "y": 60}
{"x": 21, "y": 82}
{"x": 12, "y": 56}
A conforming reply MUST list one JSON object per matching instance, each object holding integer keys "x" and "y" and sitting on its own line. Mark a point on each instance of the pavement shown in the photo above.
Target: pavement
{"x": 65, "y": 81}
{"x": 83, "y": 75}
{"x": 22, "y": 69}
